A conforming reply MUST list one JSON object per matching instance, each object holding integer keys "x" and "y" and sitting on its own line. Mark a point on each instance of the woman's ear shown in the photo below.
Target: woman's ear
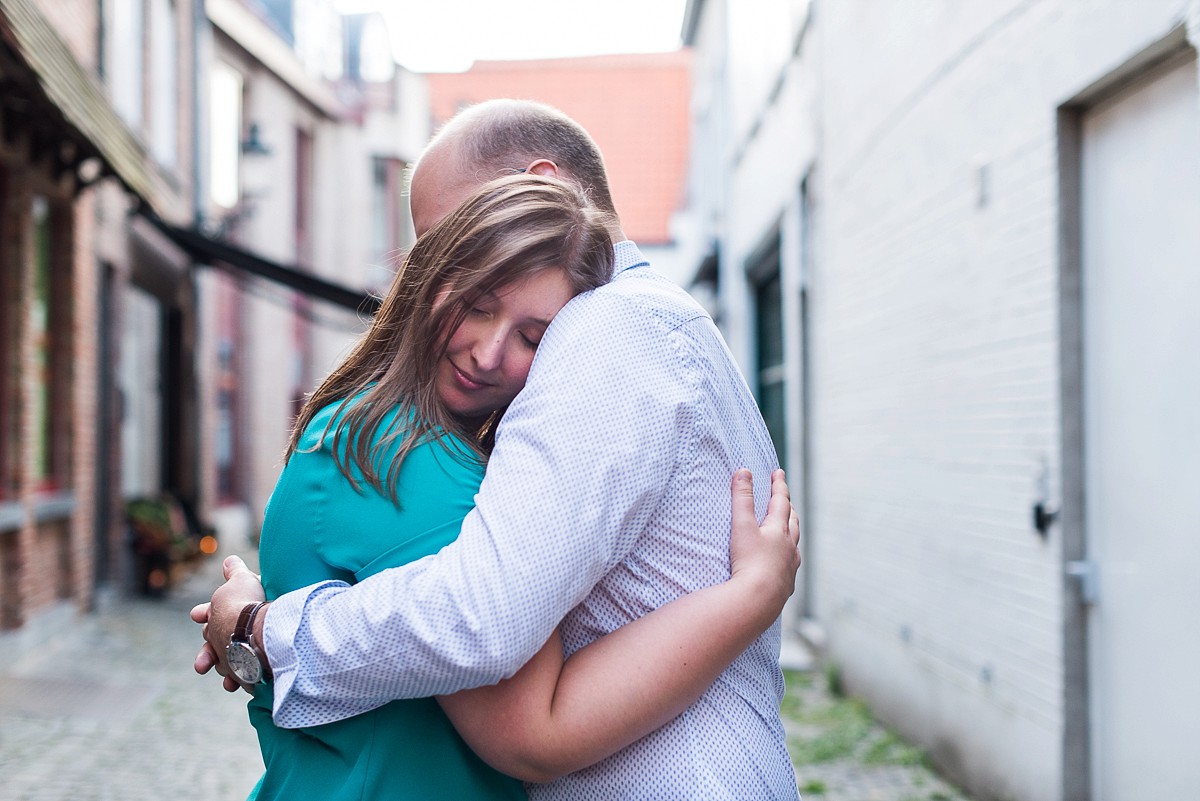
{"x": 543, "y": 167}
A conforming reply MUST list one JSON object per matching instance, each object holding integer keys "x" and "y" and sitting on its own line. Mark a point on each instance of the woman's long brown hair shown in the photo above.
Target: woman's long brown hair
{"x": 512, "y": 227}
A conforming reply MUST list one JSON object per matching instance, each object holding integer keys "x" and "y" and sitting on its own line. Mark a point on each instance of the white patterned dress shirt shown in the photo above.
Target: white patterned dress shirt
{"x": 607, "y": 496}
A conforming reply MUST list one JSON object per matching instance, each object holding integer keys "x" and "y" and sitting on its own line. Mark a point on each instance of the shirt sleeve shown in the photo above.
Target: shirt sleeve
{"x": 582, "y": 460}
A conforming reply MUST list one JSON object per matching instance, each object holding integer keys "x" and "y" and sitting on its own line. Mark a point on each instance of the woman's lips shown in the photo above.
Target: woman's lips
{"x": 466, "y": 380}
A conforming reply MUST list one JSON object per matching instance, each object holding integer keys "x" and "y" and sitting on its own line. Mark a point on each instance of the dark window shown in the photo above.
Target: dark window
{"x": 768, "y": 343}
{"x": 10, "y": 379}
{"x": 50, "y": 328}
{"x": 388, "y": 208}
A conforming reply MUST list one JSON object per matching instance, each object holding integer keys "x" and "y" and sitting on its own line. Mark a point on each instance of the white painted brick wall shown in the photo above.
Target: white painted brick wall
{"x": 935, "y": 375}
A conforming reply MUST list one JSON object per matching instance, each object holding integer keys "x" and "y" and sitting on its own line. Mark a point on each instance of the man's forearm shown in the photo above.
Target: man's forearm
{"x": 337, "y": 651}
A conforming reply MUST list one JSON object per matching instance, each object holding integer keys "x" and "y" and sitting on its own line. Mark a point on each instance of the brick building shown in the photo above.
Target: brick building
{"x": 96, "y": 115}
{"x": 197, "y": 198}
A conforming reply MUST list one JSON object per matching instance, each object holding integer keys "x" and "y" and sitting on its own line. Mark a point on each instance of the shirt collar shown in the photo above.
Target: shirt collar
{"x": 626, "y": 256}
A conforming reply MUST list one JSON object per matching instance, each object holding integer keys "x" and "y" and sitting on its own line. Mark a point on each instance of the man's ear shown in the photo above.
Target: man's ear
{"x": 543, "y": 167}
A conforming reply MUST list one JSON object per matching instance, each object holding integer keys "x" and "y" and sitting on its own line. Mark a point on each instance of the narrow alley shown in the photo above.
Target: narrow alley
{"x": 109, "y": 708}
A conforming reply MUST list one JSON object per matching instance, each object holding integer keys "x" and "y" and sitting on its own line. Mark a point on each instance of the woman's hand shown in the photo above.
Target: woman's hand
{"x": 766, "y": 557}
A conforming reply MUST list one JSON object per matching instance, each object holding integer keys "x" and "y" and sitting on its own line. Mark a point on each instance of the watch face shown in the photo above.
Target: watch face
{"x": 244, "y": 663}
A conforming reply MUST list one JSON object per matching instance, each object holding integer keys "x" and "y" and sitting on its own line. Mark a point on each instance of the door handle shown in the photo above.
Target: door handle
{"x": 1085, "y": 574}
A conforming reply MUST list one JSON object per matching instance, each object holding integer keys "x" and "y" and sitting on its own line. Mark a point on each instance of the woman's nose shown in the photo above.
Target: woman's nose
{"x": 489, "y": 350}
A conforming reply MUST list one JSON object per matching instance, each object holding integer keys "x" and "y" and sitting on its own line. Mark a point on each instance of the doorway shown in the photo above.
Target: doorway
{"x": 1139, "y": 283}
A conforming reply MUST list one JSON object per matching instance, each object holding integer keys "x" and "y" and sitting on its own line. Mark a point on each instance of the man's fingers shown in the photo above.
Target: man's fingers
{"x": 207, "y": 654}
{"x": 233, "y": 564}
{"x": 743, "y": 500}
{"x": 199, "y": 613}
{"x": 206, "y": 659}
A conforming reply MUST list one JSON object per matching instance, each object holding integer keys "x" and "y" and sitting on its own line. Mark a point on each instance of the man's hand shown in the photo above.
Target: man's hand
{"x": 766, "y": 554}
{"x": 219, "y": 617}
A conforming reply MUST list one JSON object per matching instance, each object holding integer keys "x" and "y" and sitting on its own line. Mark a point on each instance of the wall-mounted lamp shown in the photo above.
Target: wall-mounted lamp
{"x": 1043, "y": 518}
{"x": 1043, "y": 515}
{"x": 253, "y": 144}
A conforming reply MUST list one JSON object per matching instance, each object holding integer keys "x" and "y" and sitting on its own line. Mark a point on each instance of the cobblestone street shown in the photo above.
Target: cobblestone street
{"x": 111, "y": 709}
{"x": 108, "y": 707}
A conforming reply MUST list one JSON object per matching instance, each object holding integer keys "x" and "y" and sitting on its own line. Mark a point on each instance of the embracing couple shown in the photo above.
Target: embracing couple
{"x": 584, "y": 618}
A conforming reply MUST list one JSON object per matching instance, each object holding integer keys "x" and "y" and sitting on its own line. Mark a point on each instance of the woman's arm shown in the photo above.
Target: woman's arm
{"x": 555, "y": 717}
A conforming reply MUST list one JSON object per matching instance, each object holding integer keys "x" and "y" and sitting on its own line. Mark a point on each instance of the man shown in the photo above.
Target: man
{"x": 632, "y": 421}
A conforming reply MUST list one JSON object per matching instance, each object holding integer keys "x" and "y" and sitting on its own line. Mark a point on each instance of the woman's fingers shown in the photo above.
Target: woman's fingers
{"x": 742, "y": 489}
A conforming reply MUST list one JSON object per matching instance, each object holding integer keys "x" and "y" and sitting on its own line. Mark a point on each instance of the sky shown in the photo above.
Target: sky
{"x": 448, "y": 35}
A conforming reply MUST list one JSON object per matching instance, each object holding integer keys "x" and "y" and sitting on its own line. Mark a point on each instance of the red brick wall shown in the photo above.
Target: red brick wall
{"x": 48, "y": 527}
{"x": 85, "y": 433}
{"x": 47, "y": 556}
{"x": 46, "y": 566}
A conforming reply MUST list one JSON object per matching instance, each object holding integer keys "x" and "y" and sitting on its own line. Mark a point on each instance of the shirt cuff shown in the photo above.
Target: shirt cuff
{"x": 280, "y": 627}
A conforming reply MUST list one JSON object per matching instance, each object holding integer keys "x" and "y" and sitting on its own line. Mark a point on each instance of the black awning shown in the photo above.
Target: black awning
{"x": 207, "y": 250}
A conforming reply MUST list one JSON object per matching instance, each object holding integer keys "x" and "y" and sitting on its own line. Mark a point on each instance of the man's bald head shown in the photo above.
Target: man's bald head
{"x": 499, "y": 137}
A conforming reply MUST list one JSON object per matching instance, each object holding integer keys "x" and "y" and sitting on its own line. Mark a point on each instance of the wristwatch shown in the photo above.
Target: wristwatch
{"x": 244, "y": 658}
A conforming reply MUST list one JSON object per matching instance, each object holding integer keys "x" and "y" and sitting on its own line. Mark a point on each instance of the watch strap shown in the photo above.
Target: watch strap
{"x": 243, "y": 630}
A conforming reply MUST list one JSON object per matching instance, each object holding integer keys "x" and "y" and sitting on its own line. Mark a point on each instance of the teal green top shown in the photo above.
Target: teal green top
{"x": 317, "y": 527}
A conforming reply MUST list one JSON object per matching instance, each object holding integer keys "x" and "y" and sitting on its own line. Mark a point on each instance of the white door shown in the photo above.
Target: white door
{"x": 141, "y": 394}
{"x": 1141, "y": 311}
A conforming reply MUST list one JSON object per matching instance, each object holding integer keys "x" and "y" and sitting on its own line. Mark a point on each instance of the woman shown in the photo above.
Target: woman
{"x": 382, "y": 466}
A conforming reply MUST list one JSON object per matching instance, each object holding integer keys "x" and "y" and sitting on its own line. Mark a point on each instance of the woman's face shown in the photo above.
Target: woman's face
{"x": 488, "y": 357}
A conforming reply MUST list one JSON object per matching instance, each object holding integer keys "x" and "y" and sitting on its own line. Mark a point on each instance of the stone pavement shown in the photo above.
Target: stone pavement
{"x": 106, "y": 706}
{"x": 841, "y": 753}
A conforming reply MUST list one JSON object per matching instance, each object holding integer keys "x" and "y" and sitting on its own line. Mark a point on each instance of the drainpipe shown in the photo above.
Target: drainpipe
{"x": 201, "y": 56}
{"x": 201, "y": 36}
